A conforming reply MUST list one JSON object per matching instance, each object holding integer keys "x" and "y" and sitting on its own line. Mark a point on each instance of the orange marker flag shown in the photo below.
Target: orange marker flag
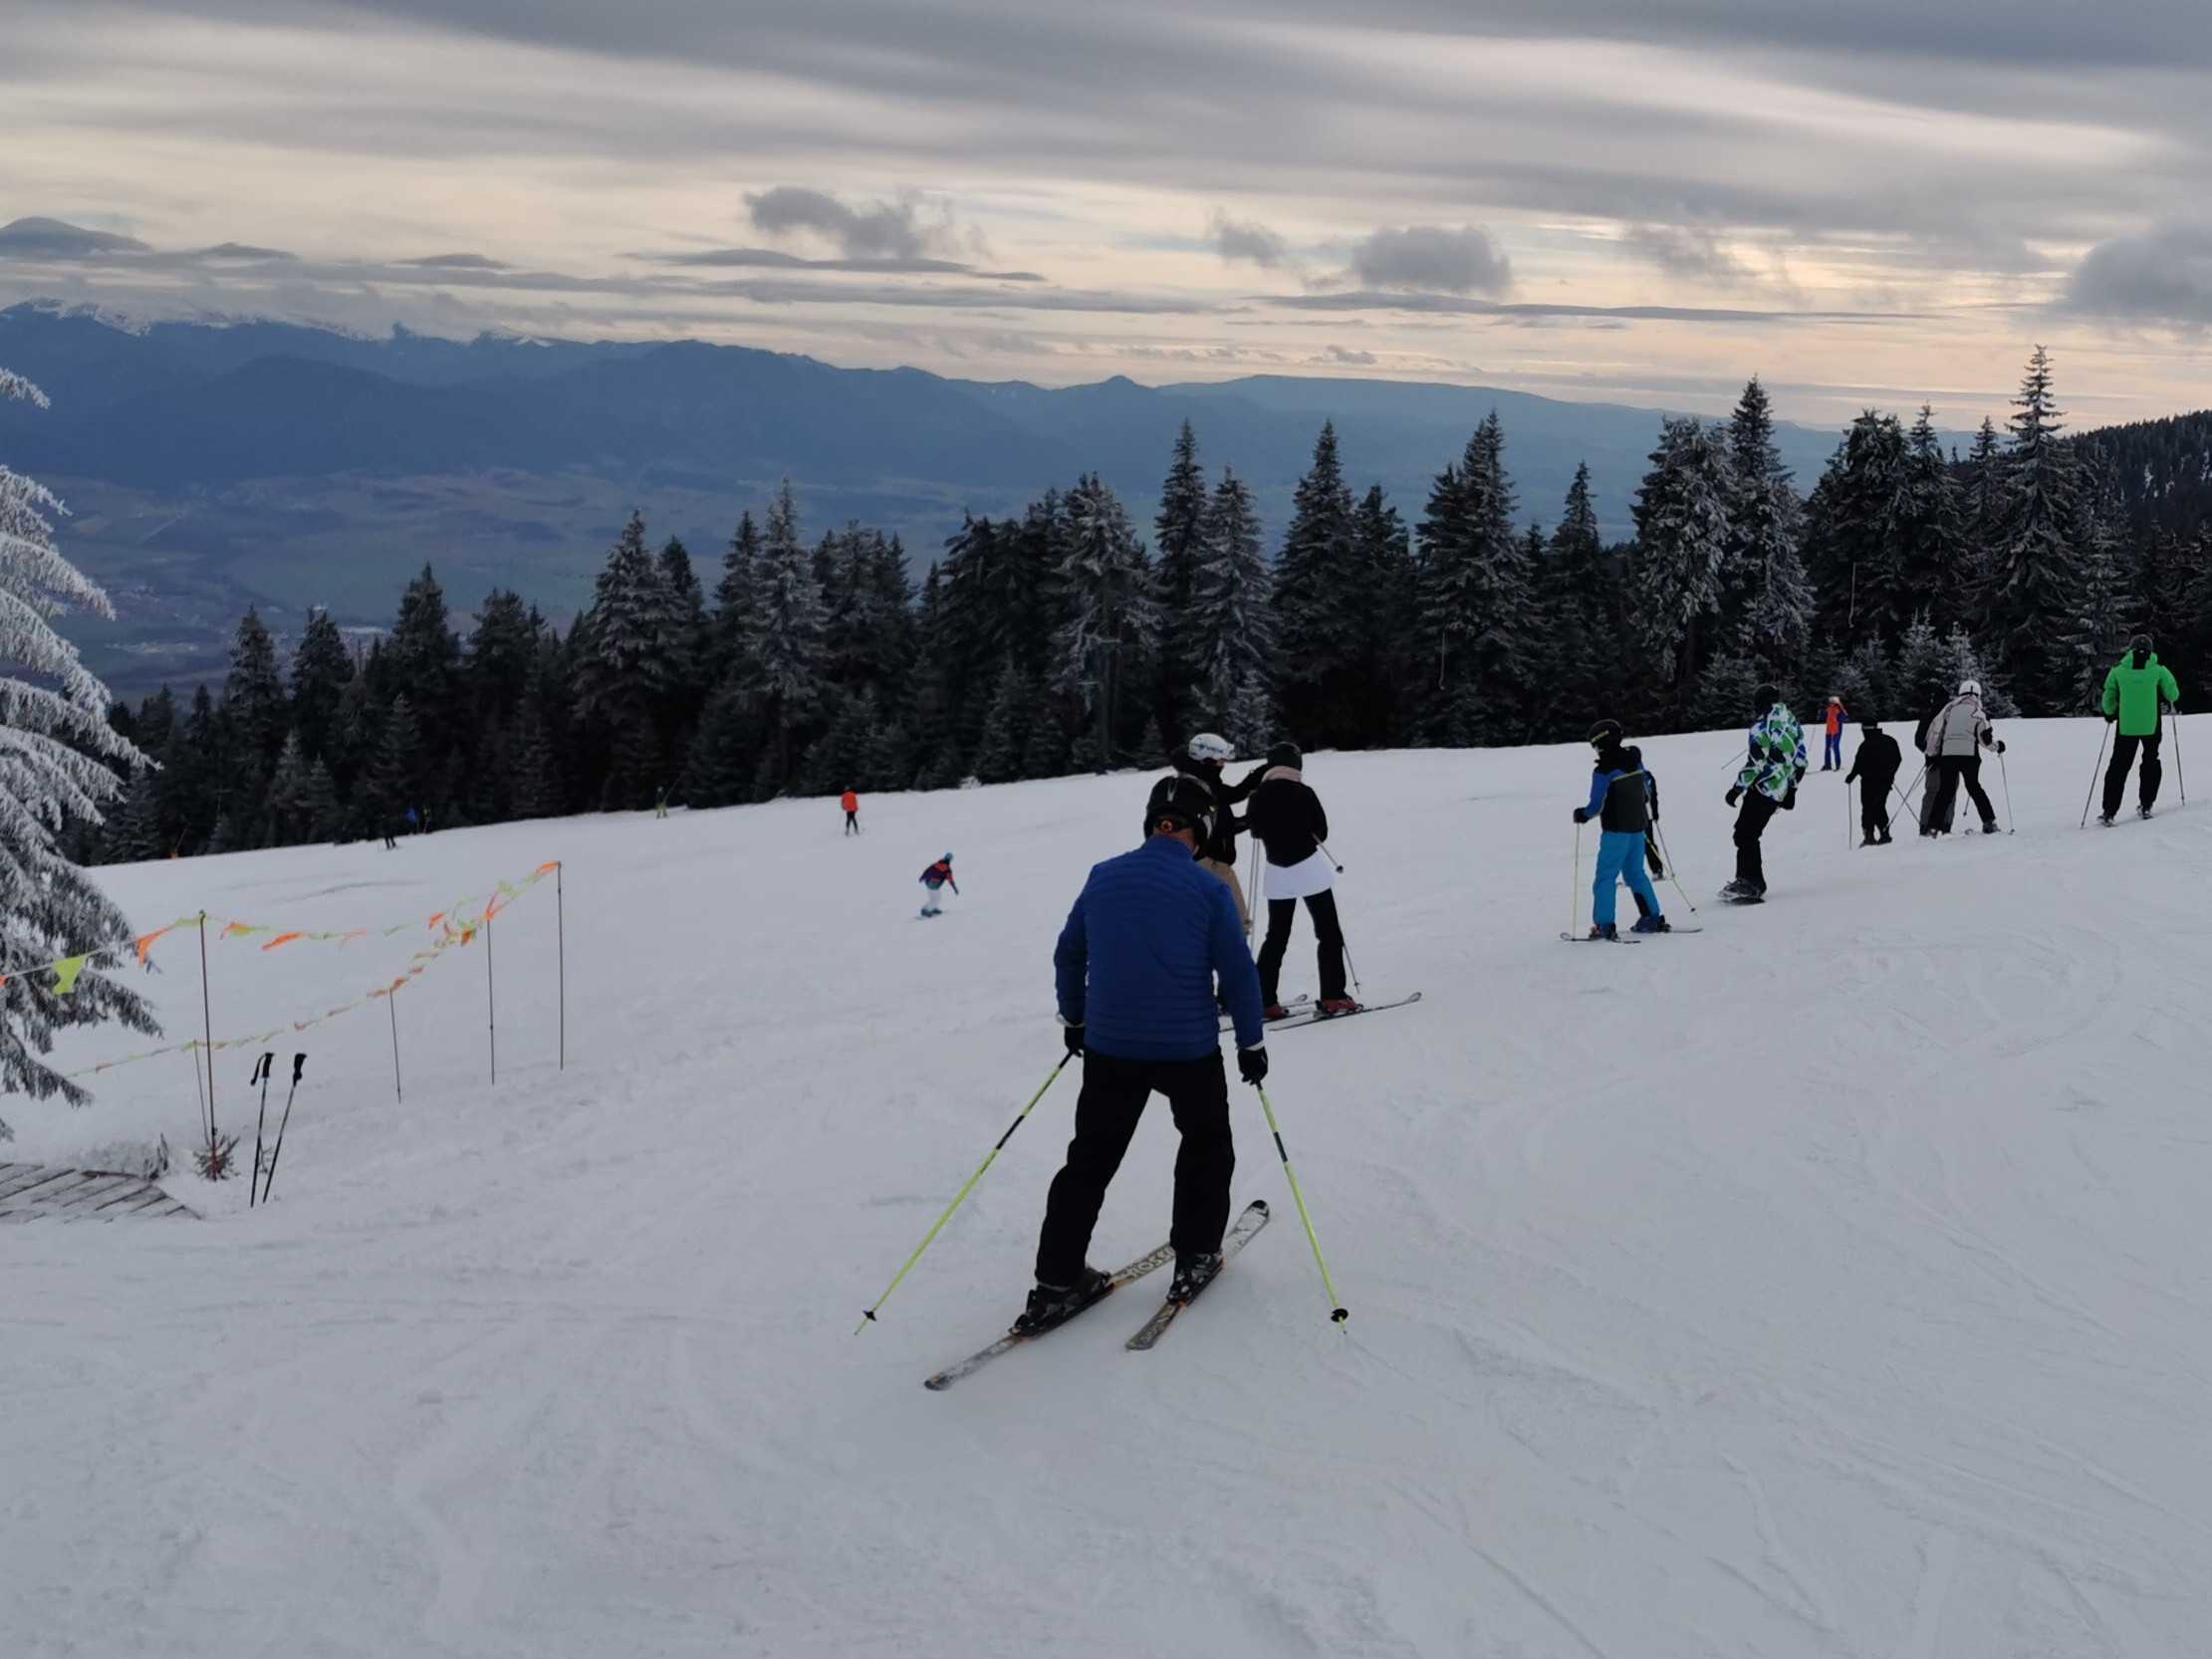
{"x": 282, "y": 939}
{"x": 145, "y": 941}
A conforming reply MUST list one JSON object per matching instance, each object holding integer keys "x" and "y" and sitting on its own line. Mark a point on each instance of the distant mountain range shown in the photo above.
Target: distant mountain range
{"x": 214, "y": 464}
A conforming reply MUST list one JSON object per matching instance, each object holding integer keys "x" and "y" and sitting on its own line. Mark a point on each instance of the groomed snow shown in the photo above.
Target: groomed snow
{"x": 1832, "y": 1284}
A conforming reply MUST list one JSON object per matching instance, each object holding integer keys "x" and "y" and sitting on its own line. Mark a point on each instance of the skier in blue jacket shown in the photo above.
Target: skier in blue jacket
{"x": 1621, "y": 797}
{"x": 1135, "y": 968}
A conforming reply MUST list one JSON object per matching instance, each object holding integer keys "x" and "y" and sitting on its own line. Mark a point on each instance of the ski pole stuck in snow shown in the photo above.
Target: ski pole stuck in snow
{"x": 868, "y": 1318}
{"x": 1337, "y": 1312}
{"x": 299, "y": 1065}
{"x": 261, "y": 1076}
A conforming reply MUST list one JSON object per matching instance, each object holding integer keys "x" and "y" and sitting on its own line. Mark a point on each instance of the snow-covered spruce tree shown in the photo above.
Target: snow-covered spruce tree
{"x": 624, "y": 669}
{"x": 1935, "y": 563}
{"x": 1178, "y": 533}
{"x": 1682, "y": 533}
{"x": 1317, "y": 614}
{"x": 1230, "y": 628}
{"x": 786, "y": 637}
{"x": 1854, "y": 533}
{"x": 1113, "y": 620}
{"x": 2106, "y": 608}
{"x": 1765, "y": 567}
{"x": 1477, "y": 599}
{"x": 2035, "y": 576}
{"x": 55, "y": 744}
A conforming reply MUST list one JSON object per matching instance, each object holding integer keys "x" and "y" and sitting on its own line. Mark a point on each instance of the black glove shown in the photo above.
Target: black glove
{"x": 1651, "y": 857}
{"x": 1073, "y": 1037}
{"x": 1789, "y": 800}
{"x": 2110, "y": 718}
{"x": 1581, "y": 814}
{"x": 1736, "y": 795}
{"x": 1252, "y": 1066}
{"x": 2000, "y": 746}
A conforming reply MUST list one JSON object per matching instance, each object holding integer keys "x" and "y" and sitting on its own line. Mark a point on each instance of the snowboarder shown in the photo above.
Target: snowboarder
{"x": 1874, "y": 769}
{"x": 1774, "y": 766}
{"x": 2136, "y": 690}
{"x": 1134, "y": 968}
{"x": 852, "y": 804}
{"x": 1620, "y": 798}
{"x": 1832, "y": 756}
{"x": 936, "y": 876}
{"x": 1288, "y": 819}
{"x": 1205, "y": 759}
{"x": 1957, "y": 734}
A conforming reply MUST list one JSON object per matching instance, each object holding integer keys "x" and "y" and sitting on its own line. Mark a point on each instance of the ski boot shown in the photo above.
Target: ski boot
{"x": 1274, "y": 1012}
{"x": 1192, "y": 1274}
{"x": 1332, "y": 1006}
{"x": 1602, "y": 930}
{"x": 2143, "y": 813}
{"x": 1989, "y": 826}
{"x": 1051, "y": 1304}
{"x": 1651, "y": 924}
{"x": 2105, "y": 819}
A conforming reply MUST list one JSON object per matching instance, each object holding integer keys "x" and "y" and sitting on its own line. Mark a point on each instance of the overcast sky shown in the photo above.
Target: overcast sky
{"x": 1881, "y": 201}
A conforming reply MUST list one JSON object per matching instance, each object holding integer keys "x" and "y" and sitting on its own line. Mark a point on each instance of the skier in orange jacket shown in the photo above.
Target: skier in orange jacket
{"x": 852, "y": 804}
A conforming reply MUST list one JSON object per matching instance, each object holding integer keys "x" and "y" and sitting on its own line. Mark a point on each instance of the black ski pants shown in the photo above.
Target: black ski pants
{"x": 1113, "y": 1100}
{"x": 851, "y": 823}
{"x": 2124, "y": 757}
{"x": 1950, "y": 772}
{"x": 1873, "y": 805}
{"x": 1330, "y": 944}
{"x": 1752, "y": 819}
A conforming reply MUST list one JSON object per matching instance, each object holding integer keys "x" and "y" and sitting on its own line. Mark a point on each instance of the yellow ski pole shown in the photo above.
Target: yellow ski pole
{"x": 1337, "y": 1311}
{"x": 869, "y": 1317}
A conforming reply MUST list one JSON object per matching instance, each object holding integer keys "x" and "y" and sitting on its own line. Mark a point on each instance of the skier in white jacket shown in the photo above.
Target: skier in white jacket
{"x": 1956, "y": 737}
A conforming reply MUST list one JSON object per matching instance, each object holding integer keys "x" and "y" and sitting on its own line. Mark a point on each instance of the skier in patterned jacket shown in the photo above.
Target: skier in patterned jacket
{"x": 1773, "y": 769}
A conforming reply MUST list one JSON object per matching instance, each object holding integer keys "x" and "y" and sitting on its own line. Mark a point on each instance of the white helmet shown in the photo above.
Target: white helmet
{"x": 1210, "y": 746}
{"x": 1970, "y": 689}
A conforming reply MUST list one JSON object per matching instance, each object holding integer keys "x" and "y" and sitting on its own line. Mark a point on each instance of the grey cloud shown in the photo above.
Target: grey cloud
{"x": 457, "y": 262}
{"x": 1432, "y": 257}
{"x": 245, "y": 251}
{"x": 1342, "y": 355}
{"x": 1687, "y": 251}
{"x": 1453, "y": 305}
{"x": 775, "y": 260}
{"x": 55, "y": 239}
{"x": 886, "y": 230}
{"x": 1246, "y": 239}
{"x": 2159, "y": 275}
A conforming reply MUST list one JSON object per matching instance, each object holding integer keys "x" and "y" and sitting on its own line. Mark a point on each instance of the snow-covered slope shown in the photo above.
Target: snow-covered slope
{"x": 1833, "y": 1283}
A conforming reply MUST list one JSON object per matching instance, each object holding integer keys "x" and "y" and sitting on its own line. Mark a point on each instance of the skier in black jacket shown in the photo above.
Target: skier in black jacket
{"x": 1875, "y": 768}
{"x": 1205, "y": 759}
{"x": 1289, "y": 821}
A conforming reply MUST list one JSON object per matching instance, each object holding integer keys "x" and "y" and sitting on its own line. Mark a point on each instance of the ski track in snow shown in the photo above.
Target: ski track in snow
{"x": 1831, "y": 1283}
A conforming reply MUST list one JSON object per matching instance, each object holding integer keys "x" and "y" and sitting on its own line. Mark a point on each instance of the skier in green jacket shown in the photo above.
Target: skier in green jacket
{"x": 1774, "y": 766}
{"x": 2136, "y": 693}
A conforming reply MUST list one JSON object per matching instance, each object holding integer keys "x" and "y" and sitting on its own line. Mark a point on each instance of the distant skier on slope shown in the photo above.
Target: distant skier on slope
{"x": 1831, "y": 756}
{"x": 1287, "y": 817}
{"x": 938, "y": 875}
{"x": 1774, "y": 766}
{"x": 1620, "y": 797}
{"x": 852, "y": 804}
{"x": 1874, "y": 769}
{"x": 2136, "y": 691}
{"x": 1957, "y": 734}
{"x": 1204, "y": 760}
{"x": 1135, "y": 967}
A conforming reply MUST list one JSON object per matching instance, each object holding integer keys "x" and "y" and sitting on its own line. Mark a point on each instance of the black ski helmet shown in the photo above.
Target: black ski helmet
{"x": 1286, "y": 754}
{"x": 1606, "y": 734}
{"x": 1766, "y": 696}
{"x": 1183, "y": 802}
{"x": 2140, "y": 644}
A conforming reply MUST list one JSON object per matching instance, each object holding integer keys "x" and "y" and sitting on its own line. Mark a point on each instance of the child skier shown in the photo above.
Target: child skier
{"x": 2135, "y": 692}
{"x": 1832, "y": 756}
{"x": 1874, "y": 769}
{"x": 1773, "y": 769}
{"x": 1620, "y": 800}
{"x": 935, "y": 876}
{"x": 852, "y": 804}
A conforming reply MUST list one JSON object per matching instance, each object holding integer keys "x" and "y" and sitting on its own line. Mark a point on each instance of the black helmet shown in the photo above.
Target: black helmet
{"x": 1767, "y": 696}
{"x": 1606, "y": 734}
{"x": 1183, "y": 802}
{"x": 2140, "y": 644}
{"x": 1286, "y": 754}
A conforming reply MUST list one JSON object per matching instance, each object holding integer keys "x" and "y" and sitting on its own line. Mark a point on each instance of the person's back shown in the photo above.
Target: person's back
{"x": 1286, "y": 817}
{"x": 1958, "y": 728}
{"x": 1878, "y": 758}
{"x": 850, "y": 801}
{"x": 2137, "y": 690}
{"x": 1152, "y": 927}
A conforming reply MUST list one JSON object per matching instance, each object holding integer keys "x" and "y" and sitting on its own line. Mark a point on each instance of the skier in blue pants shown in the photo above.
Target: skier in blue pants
{"x": 1620, "y": 801}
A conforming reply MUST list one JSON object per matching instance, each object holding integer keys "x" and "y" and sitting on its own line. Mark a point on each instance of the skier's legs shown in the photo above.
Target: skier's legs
{"x": 1106, "y": 1113}
{"x": 1281, "y": 912}
{"x": 1330, "y": 944}
{"x": 2153, "y": 772}
{"x": 1947, "y": 769}
{"x": 1970, "y": 774}
{"x": 1751, "y": 824}
{"x": 1639, "y": 879}
{"x": 1615, "y": 851}
{"x": 930, "y": 903}
{"x": 1197, "y": 1093}
{"x": 1834, "y": 754}
{"x": 2116, "y": 774}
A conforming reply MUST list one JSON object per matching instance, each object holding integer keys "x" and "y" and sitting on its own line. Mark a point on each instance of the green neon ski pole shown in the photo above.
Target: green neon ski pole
{"x": 868, "y": 1318}
{"x": 1336, "y": 1311}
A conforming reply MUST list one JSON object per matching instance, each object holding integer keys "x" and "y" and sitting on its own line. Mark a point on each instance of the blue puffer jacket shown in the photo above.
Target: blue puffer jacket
{"x": 1136, "y": 961}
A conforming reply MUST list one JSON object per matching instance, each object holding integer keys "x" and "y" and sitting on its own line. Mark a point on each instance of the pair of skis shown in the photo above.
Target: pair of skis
{"x": 1304, "y": 1010}
{"x": 1623, "y": 938}
{"x": 1254, "y": 1218}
